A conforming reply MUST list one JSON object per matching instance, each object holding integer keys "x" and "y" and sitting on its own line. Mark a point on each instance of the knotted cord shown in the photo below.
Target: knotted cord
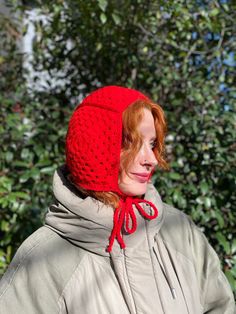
{"x": 122, "y": 216}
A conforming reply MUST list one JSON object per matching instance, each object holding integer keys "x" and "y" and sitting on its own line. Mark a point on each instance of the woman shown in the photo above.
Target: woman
{"x": 109, "y": 244}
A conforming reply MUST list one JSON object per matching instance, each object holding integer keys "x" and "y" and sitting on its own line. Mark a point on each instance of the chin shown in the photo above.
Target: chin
{"x": 136, "y": 189}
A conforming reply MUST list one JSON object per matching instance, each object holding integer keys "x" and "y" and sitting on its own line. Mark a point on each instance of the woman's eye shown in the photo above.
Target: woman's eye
{"x": 153, "y": 144}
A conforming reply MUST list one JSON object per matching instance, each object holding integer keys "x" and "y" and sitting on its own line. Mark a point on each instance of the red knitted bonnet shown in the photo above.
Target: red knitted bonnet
{"x": 94, "y": 138}
{"x": 93, "y": 146}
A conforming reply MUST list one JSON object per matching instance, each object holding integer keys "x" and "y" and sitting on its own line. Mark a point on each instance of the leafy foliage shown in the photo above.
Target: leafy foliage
{"x": 181, "y": 54}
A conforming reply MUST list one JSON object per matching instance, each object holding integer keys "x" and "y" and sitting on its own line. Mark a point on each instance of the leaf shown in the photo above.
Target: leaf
{"x": 214, "y": 12}
{"x": 19, "y": 163}
{"x": 6, "y": 183}
{"x": 48, "y": 170}
{"x": 9, "y": 156}
{"x": 102, "y": 4}
{"x": 223, "y": 241}
{"x": 24, "y": 177}
{"x": 5, "y": 226}
{"x": 230, "y": 278}
{"x": 219, "y": 217}
{"x": 175, "y": 176}
{"x": 103, "y": 18}
{"x": 21, "y": 195}
{"x": 98, "y": 46}
{"x": 207, "y": 202}
{"x": 24, "y": 153}
{"x": 9, "y": 254}
{"x": 116, "y": 19}
{"x": 225, "y": 6}
{"x": 200, "y": 200}
{"x": 176, "y": 195}
{"x": 204, "y": 187}
{"x": 233, "y": 246}
{"x": 33, "y": 173}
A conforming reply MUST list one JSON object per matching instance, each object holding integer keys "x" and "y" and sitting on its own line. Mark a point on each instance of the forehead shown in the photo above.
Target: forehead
{"x": 146, "y": 125}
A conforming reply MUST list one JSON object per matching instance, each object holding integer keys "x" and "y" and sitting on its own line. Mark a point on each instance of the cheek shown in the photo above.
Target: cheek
{"x": 131, "y": 187}
{"x": 125, "y": 182}
{"x": 123, "y": 177}
{"x": 126, "y": 163}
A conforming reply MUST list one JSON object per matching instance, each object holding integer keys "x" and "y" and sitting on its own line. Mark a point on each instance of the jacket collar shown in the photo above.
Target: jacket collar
{"x": 88, "y": 223}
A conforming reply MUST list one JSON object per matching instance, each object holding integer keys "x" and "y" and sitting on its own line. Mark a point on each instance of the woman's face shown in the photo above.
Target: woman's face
{"x": 134, "y": 182}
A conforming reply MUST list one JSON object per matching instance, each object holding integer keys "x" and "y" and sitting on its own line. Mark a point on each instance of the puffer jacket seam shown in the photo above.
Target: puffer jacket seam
{"x": 68, "y": 282}
{"x": 183, "y": 256}
{"x": 127, "y": 281}
{"x": 153, "y": 267}
{"x": 177, "y": 251}
{"x": 177, "y": 277}
{"x": 21, "y": 262}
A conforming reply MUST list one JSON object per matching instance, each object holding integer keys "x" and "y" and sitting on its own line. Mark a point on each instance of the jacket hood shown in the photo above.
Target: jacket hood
{"x": 87, "y": 222}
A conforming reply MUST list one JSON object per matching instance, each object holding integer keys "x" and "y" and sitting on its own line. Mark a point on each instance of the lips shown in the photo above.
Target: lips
{"x": 141, "y": 177}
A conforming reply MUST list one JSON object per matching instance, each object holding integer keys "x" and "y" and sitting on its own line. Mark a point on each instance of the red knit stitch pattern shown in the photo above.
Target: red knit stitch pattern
{"x": 93, "y": 146}
{"x": 93, "y": 141}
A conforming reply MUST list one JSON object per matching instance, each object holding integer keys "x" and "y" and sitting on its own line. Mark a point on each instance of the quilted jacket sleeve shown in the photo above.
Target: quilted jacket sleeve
{"x": 216, "y": 294}
{"x": 26, "y": 287}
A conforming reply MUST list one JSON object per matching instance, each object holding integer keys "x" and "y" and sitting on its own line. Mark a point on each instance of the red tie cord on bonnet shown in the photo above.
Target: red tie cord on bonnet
{"x": 122, "y": 216}
{"x": 93, "y": 145}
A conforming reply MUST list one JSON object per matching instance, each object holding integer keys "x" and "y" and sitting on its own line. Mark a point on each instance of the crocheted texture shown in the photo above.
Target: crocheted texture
{"x": 94, "y": 138}
{"x": 93, "y": 146}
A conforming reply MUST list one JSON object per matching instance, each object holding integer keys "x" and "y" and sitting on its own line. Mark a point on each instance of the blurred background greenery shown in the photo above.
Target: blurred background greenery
{"x": 180, "y": 53}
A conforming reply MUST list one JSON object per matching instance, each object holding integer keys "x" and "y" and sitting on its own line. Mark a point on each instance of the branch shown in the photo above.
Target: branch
{"x": 147, "y": 33}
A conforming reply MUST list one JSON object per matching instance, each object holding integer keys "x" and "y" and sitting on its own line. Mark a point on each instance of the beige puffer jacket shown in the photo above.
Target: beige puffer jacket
{"x": 167, "y": 267}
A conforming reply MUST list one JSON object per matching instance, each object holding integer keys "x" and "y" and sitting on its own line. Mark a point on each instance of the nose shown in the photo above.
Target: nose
{"x": 149, "y": 158}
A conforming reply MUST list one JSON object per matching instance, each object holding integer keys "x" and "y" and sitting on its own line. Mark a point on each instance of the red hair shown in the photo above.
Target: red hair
{"x": 131, "y": 140}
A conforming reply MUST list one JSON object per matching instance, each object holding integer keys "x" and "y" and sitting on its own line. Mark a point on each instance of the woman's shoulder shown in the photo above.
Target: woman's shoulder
{"x": 180, "y": 232}
{"x": 175, "y": 218}
{"x": 46, "y": 244}
{"x": 43, "y": 257}
{"x": 39, "y": 241}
